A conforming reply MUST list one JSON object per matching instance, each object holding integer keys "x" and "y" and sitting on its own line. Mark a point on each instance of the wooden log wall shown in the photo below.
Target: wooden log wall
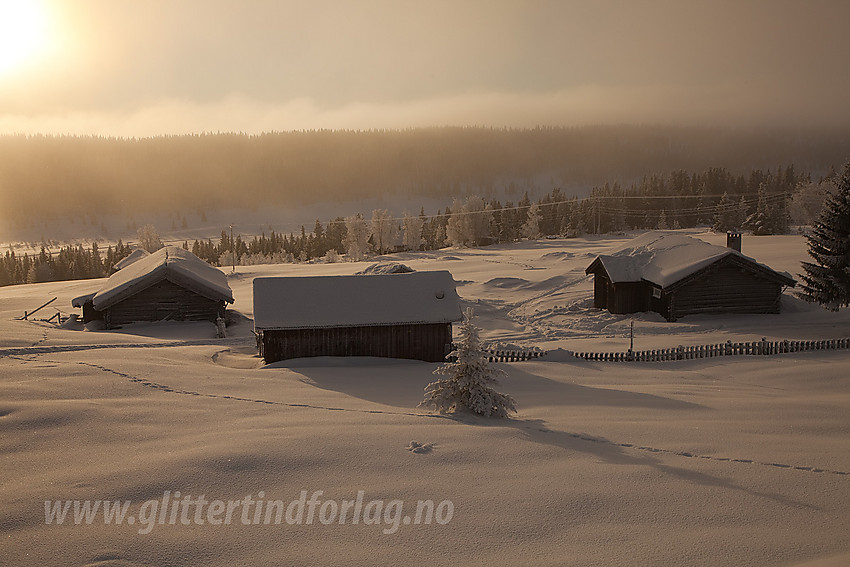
{"x": 729, "y": 289}
{"x": 429, "y": 342}
{"x": 163, "y": 301}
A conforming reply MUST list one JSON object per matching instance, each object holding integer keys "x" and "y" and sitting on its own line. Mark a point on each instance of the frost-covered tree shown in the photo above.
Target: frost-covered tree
{"x": 760, "y": 221}
{"x": 412, "y": 231}
{"x": 457, "y": 229}
{"x": 470, "y": 379}
{"x": 356, "y": 237}
{"x": 469, "y": 224}
{"x": 384, "y": 231}
{"x": 808, "y": 199}
{"x": 149, "y": 238}
{"x": 577, "y": 225}
{"x": 725, "y": 215}
{"x": 771, "y": 215}
{"x": 531, "y": 228}
{"x": 827, "y": 278}
{"x": 662, "y": 221}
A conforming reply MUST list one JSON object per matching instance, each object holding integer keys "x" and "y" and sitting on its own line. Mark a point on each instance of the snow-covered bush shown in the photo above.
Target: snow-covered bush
{"x": 331, "y": 256}
{"x": 470, "y": 379}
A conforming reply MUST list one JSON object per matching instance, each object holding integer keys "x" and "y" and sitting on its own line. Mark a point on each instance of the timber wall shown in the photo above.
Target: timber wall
{"x": 428, "y": 342}
{"x": 164, "y": 301}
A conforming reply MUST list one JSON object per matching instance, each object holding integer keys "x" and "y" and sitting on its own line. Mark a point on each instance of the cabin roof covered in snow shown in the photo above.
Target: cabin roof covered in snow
{"x": 355, "y": 301}
{"x": 134, "y": 256}
{"x": 666, "y": 258}
{"x": 170, "y": 263}
{"x": 83, "y": 299}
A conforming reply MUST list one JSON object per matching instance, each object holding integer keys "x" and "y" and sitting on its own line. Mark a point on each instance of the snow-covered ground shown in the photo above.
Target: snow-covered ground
{"x": 723, "y": 461}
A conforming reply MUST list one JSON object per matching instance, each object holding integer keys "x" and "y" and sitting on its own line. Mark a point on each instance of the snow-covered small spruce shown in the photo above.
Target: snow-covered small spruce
{"x": 827, "y": 278}
{"x": 470, "y": 379}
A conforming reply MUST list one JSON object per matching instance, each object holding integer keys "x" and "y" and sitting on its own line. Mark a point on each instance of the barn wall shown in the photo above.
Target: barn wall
{"x": 164, "y": 300}
{"x": 728, "y": 289}
{"x": 601, "y": 289}
{"x": 427, "y": 342}
{"x": 90, "y": 313}
{"x": 628, "y": 297}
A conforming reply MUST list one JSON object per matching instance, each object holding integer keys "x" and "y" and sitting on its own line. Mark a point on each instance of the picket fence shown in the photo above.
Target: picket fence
{"x": 509, "y": 355}
{"x": 762, "y": 347}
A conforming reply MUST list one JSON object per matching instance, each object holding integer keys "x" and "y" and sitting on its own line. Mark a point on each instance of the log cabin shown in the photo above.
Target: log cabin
{"x": 677, "y": 275}
{"x": 170, "y": 284}
{"x": 404, "y": 315}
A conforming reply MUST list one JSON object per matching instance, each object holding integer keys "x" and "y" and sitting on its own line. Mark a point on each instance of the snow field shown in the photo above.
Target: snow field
{"x": 729, "y": 461}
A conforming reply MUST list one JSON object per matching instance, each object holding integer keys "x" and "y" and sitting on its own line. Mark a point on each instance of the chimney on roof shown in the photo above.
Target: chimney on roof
{"x": 733, "y": 240}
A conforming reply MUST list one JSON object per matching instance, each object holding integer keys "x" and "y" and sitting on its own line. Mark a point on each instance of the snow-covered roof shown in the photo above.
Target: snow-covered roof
{"x": 134, "y": 256}
{"x": 386, "y": 268}
{"x": 170, "y": 263}
{"x": 355, "y": 301}
{"x": 665, "y": 258}
{"x": 83, "y": 299}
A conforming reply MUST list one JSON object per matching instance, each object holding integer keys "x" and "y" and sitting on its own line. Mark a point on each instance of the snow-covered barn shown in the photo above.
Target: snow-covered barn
{"x": 407, "y": 315}
{"x": 170, "y": 284}
{"x": 677, "y": 275}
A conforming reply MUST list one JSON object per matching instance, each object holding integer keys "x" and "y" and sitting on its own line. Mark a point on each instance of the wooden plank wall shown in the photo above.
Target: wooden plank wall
{"x": 729, "y": 289}
{"x": 419, "y": 342}
{"x": 164, "y": 300}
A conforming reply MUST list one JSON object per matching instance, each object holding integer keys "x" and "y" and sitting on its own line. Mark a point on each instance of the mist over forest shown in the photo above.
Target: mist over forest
{"x": 51, "y": 177}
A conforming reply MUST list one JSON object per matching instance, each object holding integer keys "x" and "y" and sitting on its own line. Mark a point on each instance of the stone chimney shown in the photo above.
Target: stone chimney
{"x": 733, "y": 240}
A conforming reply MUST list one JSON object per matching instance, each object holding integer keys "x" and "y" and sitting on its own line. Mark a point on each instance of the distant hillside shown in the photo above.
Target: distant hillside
{"x": 43, "y": 178}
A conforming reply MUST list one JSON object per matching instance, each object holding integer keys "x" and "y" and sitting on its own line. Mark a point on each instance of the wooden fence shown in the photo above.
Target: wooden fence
{"x": 510, "y": 355}
{"x": 762, "y": 347}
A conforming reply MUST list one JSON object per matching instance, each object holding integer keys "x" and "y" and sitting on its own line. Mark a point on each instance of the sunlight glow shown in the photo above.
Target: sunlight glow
{"x": 23, "y": 32}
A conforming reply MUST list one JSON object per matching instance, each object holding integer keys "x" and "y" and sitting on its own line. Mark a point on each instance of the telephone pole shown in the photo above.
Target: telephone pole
{"x": 232, "y": 250}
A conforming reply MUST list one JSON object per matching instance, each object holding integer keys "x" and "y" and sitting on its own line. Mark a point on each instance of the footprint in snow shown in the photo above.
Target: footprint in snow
{"x": 417, "y": 447}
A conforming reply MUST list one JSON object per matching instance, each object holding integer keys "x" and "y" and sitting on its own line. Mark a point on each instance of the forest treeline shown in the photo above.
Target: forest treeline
{"x": 765, "y": 202}
{"x": 50, "y": 177}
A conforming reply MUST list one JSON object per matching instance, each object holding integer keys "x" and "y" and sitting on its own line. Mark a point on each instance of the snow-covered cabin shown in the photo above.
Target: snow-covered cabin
{"x": 406, "y": 315}
{"x": 677, "y": 275}
{"x": 170, "y": 284}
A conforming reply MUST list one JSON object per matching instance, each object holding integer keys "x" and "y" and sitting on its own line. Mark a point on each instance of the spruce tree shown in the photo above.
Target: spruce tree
{"x": 761, "y": 221}
{"x": 470, "y": 379}
{"x": 827, "y": 278}
{"x": 725, "y": 214}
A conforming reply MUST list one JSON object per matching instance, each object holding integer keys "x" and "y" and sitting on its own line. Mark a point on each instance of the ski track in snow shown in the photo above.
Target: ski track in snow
{"x": 581, "y": 437}
{"x": 48, "y": 349}
{"x": 165, "y": 388}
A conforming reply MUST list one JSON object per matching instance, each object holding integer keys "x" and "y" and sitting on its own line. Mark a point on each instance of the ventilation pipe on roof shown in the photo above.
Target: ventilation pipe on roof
{"x": 733, "y": 240}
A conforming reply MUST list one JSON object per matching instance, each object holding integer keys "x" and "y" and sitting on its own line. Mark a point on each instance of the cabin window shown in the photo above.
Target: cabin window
{"x": 656, "y": 292}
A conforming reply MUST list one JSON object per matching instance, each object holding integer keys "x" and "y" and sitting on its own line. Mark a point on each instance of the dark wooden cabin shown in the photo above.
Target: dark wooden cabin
{"x": 171, "y": 284}
{"x": 677, "y": 275}
{"x": 405, "y": 315}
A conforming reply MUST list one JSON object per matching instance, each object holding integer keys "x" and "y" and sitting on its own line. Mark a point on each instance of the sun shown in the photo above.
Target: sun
{"x": 23, "y": 32}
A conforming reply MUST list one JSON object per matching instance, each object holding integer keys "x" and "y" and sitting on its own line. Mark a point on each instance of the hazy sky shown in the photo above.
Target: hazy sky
{"x": 145, "y": 67}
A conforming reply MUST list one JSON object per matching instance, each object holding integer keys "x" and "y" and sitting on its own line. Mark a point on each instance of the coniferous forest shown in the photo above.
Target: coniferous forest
{"x": 56, "y": 177}
{"x": 639, "y": 178}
